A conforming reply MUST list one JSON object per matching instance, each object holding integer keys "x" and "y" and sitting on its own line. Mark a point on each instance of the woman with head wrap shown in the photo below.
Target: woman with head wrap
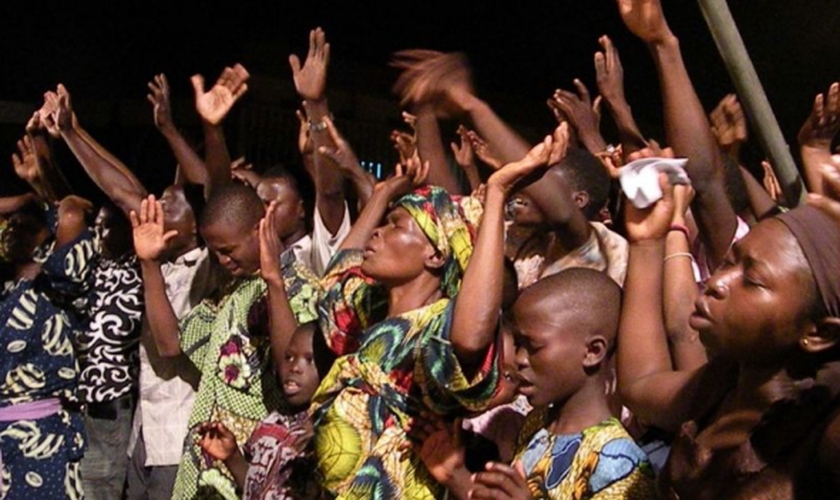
{"x": 411, "y": 306}
{"x": 762, "y": 418}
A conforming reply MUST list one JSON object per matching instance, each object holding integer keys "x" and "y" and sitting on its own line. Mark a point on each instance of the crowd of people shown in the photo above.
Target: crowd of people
{"x": 581, "y": 321}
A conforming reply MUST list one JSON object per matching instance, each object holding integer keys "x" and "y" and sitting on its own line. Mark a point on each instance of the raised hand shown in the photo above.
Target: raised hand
{"x": 609, "y": 73}
{"x": 304, "y": 139}
{"x": 653, "y": 223}
{"x": 645, "y": 19}
{"x": 463, "y": 151}
{"x": 651, "y": 150}
{"x": 63, "y": 115}
{"x": 483, "y": 151}
{"x": 771, "y": 183}
{"x": 270, "y": 247}
{"x": 159, "y": 97}
{"x": 729, "y": 124}
{"x": 217, "y": 440}
{"x": 25, "y": 161}
{"x": 311, "y": 79}
{"x": 433, "y": 77}
{"x": 582, "y": 114}
{"x": 341, "y": 154}
{"x": 824, "y": 121}
{"x": 829, "y": 200}
{"x": 405, "y": 144}
{"x": 150, "y": 237}
{"x": 546, "y": 153}
{"x": 34, "y": 125}
{"x": 47, "y": 114}
{"x": 215, "y": 104}
{"x": 500, "y": 481}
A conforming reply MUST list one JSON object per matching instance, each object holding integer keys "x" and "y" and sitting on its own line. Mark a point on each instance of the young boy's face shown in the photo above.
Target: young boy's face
{"x": 236, "y": 248}
{"x": 297, "y": 369}
{"x": 549, "y": 353}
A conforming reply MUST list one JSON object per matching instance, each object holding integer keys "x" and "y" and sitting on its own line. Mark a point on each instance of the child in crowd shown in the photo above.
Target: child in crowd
{"x": 277, "y": 462}
{"x": 571, "y": 445}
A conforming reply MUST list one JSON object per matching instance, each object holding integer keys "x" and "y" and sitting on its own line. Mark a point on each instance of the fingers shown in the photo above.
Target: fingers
{"x": 500, "y": 477}
{"x": 833, "y": 101}
{"x": 333, "y": 132}
{"x": 294, "y": 62}
{"x": 583, "y": 92}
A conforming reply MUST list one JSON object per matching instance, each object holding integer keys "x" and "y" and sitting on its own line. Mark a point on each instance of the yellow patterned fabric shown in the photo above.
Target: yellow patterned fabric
{"x": 600, "y": 463}
{"x": 388, "y": 370}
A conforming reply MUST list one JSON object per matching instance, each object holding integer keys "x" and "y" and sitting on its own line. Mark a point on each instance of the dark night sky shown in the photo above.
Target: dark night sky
{"x": 521, "y": 49}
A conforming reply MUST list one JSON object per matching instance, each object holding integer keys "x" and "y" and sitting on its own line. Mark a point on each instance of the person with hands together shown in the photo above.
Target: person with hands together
{"x": 582, "y": 114}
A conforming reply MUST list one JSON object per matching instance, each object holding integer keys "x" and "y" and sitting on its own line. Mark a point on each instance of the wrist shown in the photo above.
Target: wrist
{"x": 678, "y": 227}
{"x": 816, "y": 145}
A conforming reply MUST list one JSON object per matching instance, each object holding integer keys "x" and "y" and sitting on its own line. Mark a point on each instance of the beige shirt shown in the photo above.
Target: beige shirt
{"x": 168, "y": 386}
{"x": 315, "y": 250}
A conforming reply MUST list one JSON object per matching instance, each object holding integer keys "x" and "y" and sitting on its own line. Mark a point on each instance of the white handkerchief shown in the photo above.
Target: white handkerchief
{"x": 640, "y": 179}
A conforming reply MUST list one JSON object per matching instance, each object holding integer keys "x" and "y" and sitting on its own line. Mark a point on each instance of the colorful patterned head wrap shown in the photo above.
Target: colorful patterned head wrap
{"x": 450, "y": 223}
{"x": 819, "y": 237}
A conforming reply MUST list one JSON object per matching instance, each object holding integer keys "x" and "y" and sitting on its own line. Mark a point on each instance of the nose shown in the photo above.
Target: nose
{"x": 521, "y": 358}
{"x": 223, "y": 259}
{"x": 718, "y": 284}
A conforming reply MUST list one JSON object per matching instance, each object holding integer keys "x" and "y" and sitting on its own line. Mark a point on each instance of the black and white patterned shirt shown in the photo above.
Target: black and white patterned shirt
{"x": 108, "y": 340}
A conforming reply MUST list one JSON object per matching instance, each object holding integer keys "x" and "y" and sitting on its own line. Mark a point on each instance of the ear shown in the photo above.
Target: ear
{"x": 596, "y": 351}
{"x": 434, "y": 259}
{"x": 824, "y": 335}
{"x": 581, "y": 199}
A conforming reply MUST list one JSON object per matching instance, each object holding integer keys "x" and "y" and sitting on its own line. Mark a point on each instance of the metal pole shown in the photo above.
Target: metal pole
{"x": 751, "y": 93}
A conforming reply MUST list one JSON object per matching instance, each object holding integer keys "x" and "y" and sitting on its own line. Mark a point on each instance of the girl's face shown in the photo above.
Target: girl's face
{"x": 297, "y": 369}
{"x": 758, "y": 304}
{"x": 398, "y": 250}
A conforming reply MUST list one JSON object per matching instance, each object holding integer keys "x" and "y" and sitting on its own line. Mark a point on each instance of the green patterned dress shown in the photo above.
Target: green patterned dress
{"x": 228, "y": 341}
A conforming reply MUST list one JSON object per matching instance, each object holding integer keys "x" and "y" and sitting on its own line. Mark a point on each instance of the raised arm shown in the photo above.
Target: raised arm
{"x": 281, "y": 319}
{"x": 609, "y": 74}
{"x": 53, "y": 181}
{"x": 475, "y": 319}
{"x": 71, "y": 219}
{"x": 729, "y": 126}
{"x": 686, "y": 126}
{"x": 343, "y": 156}
{"x": 647, "y": 382}
{"x": 430, "y": 148}
{"x": 816, "y": 135}
{"x": 191, "y": 166}
{"x": 761, "y": 201}
{"x": 311, "y": 84}
{"x": 11, "y": 204}
{"x": 581, "y": 115}
{"x": 111, "y": 175}
{"x": 213, "y": 106}
{"x": 150, "y": 239}
{"x": 465, "y": 158}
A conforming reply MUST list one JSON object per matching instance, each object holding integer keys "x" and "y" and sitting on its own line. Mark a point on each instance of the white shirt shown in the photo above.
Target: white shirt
{"x": 168, "y": 386}
{"x": 316, "y": 250}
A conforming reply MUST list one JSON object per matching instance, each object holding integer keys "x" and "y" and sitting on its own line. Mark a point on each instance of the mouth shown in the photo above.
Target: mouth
{"x": 291, "y": 387}
{"x": 369, "y": 250}
{"x": 701, "y": 318}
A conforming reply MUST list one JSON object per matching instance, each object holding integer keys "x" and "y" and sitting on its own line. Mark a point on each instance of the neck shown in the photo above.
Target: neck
{"x": 193, "y": 244}
{"x": 585, "y": 408}
{"x": 415, "y": 294}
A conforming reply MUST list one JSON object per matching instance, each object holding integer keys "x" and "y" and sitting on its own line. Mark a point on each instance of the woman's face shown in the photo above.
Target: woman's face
{"x": 758, "y": 304}
{"x": 398, "y": 250}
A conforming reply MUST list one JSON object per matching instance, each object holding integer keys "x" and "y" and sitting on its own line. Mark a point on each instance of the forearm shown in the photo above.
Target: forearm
{"x": 216, "y": 158}
{"x": 504, "y": 141}
{"x": 689, "y": 134}
{"x": 813, "y": 157}
{"x": 111, "y": 177}
{"x": 475, "y": 318}
{"x": 362, "y": 185}
{"x": 162, "y": 320}
{"x": 430, "y": 149}
{"x": 112, "y": 160}
{"x": 642, "y": 342}
{"x": 473, "y": 177}
{"x": 238, "y": 467}
{"x": 281, "y": 320}
{"x": 629, "y": 135}
{"x": 53, "y": 183}
{"x": 760, "y": 201}
{"x": 328, "y": 179}
{"x": 192, "y": 167}
{"x": 368, "y": 220}
{"x": 679, "y": 292}
{"x": 10, "y": 204}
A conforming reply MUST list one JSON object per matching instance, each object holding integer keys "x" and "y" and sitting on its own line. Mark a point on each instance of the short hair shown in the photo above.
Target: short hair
{"x": 584, "y": 172}
{"x": 593, "y": 297}
{"x": 233, "y": 204}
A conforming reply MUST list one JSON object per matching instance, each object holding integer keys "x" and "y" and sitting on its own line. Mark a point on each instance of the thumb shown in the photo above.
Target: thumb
{"x": 454, "y": 148}
{"x": 169, "y": 235}
{"x": 519, "y": 468}
{"x": 198, "y": 85}
{"x": 294, "y": 62}
{"x": 328, "y": 152}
